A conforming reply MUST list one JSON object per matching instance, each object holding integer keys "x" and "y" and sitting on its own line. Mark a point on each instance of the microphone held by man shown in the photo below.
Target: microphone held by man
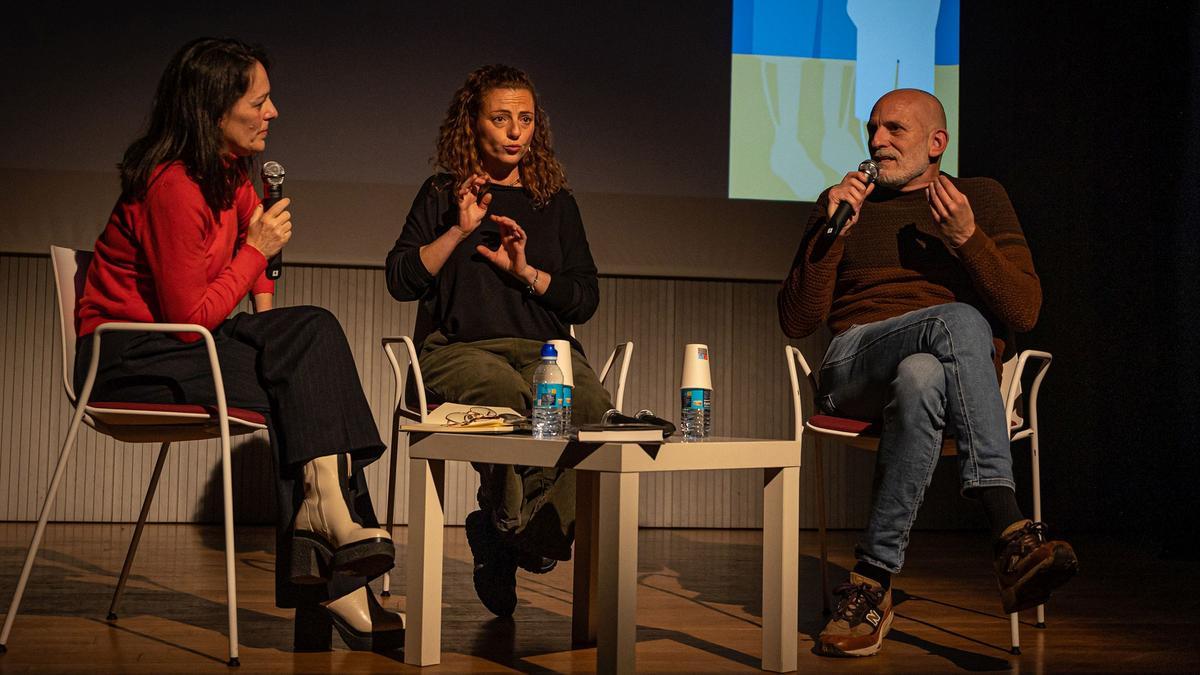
{"x": 845, "y": 209}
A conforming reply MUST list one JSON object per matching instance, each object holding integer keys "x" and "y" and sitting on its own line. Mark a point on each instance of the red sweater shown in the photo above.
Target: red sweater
{"x": 170, "y": 258}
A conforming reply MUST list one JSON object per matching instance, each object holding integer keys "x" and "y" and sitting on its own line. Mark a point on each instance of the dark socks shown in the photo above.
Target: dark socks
{"x": 874, "y": 573}
{"x": 1000, "y": 504}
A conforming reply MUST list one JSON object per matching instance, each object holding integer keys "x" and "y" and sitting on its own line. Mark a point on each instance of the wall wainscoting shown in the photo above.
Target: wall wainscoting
{"x": 107, "y": 479}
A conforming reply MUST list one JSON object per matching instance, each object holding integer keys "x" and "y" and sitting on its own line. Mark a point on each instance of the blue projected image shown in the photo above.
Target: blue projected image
{"x": 806, "y": 73}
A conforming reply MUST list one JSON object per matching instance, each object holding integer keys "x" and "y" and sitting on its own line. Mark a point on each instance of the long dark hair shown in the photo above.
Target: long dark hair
{"x": 457, "y": 154}
{"x": 202, "y": 82}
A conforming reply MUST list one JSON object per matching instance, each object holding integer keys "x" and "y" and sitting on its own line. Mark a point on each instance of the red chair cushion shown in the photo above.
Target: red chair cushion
{"x": 843, "y": 424}
{"x": 210, "y": 410}
{"x": 847, "y": 425}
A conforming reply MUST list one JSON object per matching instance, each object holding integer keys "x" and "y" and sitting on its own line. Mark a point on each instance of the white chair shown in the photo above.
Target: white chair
{"x": 136, "y": 423}
{"x": 622, "y": 352}
{"x": 863, "y": 434}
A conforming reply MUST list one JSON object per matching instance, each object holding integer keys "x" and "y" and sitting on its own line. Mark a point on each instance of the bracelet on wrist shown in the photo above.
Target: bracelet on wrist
{"x": 532, "y": 287}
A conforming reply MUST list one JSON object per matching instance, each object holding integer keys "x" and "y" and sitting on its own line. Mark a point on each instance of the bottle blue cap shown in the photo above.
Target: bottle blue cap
{"x": 549, "y": 350}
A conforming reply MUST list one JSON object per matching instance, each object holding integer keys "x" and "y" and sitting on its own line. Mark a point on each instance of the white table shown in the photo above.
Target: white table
{"x": 605, "y": 584}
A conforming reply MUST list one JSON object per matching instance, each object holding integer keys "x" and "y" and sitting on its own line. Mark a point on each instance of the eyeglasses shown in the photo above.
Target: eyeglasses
{"x": 479, "y": 414}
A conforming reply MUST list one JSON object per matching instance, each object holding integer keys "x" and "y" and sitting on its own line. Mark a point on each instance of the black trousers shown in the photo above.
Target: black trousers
{"x": 291, "y": 364}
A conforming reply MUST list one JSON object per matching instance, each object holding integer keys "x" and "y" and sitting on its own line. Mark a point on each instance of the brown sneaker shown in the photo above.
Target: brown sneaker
{"x": 1028, "y": 567}
{"x": 862, "y": 618}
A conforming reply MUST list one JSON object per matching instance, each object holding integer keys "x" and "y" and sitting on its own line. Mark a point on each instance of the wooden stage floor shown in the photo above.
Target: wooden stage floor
{"x": 698, "y": 609}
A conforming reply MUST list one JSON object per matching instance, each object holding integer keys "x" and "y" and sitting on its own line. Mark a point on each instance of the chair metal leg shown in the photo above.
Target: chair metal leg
{"x": 137, "y": 531}
{"x": 821, "y": 526}
{"x": 1037, "y": 503}
{"x": 230, "y": 577}
{"x": 63, "y": 456}
{"x": 391, "y": 494}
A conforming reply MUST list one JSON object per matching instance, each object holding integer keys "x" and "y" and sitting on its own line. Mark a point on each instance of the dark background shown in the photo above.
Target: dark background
{"x": 1088, "y": 118}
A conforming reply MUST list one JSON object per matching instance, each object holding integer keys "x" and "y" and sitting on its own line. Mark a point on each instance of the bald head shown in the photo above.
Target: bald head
{"x": 908, "y": 135}
{"x": 925, "y": 107}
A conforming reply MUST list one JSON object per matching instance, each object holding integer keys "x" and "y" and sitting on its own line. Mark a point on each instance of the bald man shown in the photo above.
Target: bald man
{"x": 922, "y": 289}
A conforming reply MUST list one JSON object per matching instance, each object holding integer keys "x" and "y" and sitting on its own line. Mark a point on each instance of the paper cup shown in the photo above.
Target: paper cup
{"x": 563, "y": 347}
{"x": 696, "y": 374}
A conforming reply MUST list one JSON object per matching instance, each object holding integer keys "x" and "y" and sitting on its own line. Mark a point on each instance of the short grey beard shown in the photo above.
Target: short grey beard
{"x": 895, "y": 183}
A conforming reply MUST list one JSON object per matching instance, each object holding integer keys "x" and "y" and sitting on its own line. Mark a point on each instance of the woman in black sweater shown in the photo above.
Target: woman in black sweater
{"x": 495, "y": 250}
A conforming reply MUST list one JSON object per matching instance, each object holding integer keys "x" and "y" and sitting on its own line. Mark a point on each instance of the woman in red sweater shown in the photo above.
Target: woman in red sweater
{"x": 187, "y": 240}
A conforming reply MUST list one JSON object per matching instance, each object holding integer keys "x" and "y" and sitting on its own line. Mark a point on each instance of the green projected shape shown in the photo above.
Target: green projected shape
{"x": 793, "y": 130}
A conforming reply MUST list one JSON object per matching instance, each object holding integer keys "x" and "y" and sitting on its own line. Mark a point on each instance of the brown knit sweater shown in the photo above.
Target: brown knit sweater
{"x": 893, "y": 262}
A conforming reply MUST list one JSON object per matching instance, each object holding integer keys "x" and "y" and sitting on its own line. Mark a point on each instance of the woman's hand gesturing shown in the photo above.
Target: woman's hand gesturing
{"x": 510, "y": 256}
{"x": 472, "y": 207}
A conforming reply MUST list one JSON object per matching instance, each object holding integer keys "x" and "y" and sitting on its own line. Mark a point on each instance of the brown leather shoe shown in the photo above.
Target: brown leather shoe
{"x": 1028, "y": 567}
{"x": 862, "y": 618}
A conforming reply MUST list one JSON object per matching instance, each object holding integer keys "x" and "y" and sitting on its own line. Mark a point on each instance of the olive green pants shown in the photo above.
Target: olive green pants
{"x": 533, "y": 506}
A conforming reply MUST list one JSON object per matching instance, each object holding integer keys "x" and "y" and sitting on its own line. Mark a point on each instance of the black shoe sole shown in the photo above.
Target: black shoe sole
{"x": 1038, "y": 583}
{"x": 536, "y": 564}
{"x": 367, "y": 558}
{"x": 314, "y": 561}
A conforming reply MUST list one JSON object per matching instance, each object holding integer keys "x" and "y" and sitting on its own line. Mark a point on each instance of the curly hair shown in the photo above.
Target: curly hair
{"x": 202, "y": 82}
{"x": 457, "y": 154}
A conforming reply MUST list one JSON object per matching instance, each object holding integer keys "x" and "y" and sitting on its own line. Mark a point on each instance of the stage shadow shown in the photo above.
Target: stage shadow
{"x": 469, "y": 628}
{"x": 718, "y": 573}
{"x": 61, "y": 585}
{"x": 253, "y": 496}
{"x": 966, "y": 660}
{"x": 535, "y": 631}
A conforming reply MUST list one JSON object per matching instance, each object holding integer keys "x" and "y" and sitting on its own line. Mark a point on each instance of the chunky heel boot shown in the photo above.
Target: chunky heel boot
{"x": 363, "y": 624}
{"x": 326, "y": 539}
{"x": 312, "y": 559}
{"x": 313, "y": 630}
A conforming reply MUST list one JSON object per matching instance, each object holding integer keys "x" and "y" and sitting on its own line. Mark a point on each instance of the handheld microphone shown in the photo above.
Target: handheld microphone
{"x": 844, "y": 210}
{"x": 272, "y": 178}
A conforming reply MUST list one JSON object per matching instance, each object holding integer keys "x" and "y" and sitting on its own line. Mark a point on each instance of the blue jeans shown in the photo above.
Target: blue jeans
{"x": 922, "y": 373}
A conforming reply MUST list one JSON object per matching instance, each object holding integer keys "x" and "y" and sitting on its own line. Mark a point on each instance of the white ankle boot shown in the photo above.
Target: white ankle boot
{"x": 359, "y": 618}
{"x": 326, "y": 539}
{"x": 364, "y": 624}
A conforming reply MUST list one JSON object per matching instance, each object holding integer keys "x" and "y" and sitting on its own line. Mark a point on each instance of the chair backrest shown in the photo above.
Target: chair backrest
{"x": 70, "y": 272}
{"x": 794, "y": 356}
{"x": 422, "y": 327}
{"x": 620, "y": 357}
{"x": 1006, "y": 378}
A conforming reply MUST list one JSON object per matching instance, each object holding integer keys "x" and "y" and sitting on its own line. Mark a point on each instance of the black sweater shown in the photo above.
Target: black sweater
{"x": 470, "y": 299}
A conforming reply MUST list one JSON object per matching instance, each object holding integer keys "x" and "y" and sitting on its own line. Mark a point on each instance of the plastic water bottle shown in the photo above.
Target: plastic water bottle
{"x": 548, "y": 396}
{"x": 695, "y": 393}
{"x": 695, "y": 413}
{"x": 568, "y": 390}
